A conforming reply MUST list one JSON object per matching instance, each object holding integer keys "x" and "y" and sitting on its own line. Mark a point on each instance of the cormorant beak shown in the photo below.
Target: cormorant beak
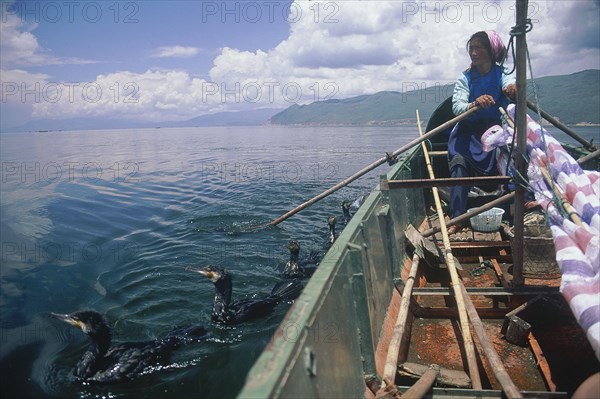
{"x": 67, "y": 319}
{"x": 203, "y": 272}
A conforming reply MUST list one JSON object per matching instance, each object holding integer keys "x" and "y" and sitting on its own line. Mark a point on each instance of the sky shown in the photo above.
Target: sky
{"x": 176, "y": 60}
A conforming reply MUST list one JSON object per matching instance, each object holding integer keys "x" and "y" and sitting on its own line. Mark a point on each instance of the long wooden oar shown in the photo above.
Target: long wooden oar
{"x": 375, "y": 164}
{"x": 465, "y": 305}
{"x": 454, "y": 277}
{"x": 533, "y": 106}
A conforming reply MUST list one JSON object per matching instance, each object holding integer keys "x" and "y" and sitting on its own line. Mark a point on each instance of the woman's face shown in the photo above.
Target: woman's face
{"x": 478, "y": 53}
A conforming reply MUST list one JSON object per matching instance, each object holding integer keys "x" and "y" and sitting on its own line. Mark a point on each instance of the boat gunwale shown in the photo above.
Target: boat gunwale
{"x": 266, "y": 378}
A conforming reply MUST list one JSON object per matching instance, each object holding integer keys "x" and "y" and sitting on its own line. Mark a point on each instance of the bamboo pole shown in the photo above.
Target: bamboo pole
{"x": 391, "y": 362}
{"x": 521, "y": 132}
{"x": 573, "y": 215}
{"x": 375, "y": 164}
{"x": 456, "y": 282}
{"x": 424, "y": 384}
{"x": 589, "y": 157}
{"x": 500, "y": 372}
{"x": 465, "y": 305}
{"x": 586, "y": 144}
{"x": 473, "y": 212}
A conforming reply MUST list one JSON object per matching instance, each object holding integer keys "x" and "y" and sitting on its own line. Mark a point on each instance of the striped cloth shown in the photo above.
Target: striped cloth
{"x": 577, "y": 246}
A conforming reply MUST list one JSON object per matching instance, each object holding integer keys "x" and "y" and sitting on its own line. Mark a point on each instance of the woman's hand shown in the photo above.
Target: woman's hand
{"x": 510, "y": 91}
{"x": 485, "y": 101}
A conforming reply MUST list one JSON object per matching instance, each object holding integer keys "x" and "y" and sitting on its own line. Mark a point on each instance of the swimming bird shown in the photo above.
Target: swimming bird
{"x": 346, "y": 211}
{"x": 230, "y": 313}
{"x": 332, "y": 235}
{"x": 300, "y": 268}
{"x": 103, "y": 363}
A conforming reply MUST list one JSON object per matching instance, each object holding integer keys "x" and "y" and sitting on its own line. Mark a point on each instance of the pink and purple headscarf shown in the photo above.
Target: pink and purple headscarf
{"x": 498, "y": 49}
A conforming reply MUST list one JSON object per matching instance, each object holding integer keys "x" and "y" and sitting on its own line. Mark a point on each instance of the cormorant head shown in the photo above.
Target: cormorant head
{"x": 213, "y": 273}
{"x": 293, "y": 246}
{"x": 223, "y": 284}
{"x": 346, "y": 205}
{"x": 90, "y": 322}
{"x": 331, "y": 221}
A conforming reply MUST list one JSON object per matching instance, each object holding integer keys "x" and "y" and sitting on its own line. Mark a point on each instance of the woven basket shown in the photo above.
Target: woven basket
{"x": 539, "y": 257}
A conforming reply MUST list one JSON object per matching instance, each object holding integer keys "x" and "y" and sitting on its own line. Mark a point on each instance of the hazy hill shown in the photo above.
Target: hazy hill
{"x": 242, "y": 118}
{"x": 572, "y": 98}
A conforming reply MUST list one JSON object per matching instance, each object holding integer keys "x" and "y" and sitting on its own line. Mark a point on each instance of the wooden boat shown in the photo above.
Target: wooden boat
{"x": 379, "y": 311}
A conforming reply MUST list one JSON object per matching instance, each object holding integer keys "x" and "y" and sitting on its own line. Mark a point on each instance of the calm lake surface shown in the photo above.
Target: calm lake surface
{"x": 110, "y": 219}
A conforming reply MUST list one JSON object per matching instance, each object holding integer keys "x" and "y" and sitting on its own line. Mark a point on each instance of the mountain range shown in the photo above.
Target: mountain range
{"x": 573, "y": 99}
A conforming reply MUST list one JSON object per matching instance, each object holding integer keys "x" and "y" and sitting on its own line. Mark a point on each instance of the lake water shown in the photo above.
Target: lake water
{"x": 110, "y": 219}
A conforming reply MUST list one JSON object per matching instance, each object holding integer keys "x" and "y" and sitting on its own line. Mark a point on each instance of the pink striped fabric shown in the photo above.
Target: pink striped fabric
{"x": 577, "y": 246}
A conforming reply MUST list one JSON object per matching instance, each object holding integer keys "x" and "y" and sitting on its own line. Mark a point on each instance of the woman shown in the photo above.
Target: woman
{"x": 484, "y": 84}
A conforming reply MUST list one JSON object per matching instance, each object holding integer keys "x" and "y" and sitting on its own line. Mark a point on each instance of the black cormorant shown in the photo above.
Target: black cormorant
{"x": 346, "y": 211}
{"x": 229, "y": 313}
{"x": 300, "y": 268}
{"x": 104, "y": 363}
{"x": 331, "y": 234}
{"x": 349, "y": 209}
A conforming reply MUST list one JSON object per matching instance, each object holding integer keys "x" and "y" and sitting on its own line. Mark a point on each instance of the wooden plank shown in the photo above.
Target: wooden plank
{"x": 542, "y": 362}
{"x": 446, "y": 377}
{"x": 428, "y": 312}
{"x": 488, "y": 291}
{"x": 499, "y": 273}
{"x": 449, "y": 182}
{"x": 486, "y": 393}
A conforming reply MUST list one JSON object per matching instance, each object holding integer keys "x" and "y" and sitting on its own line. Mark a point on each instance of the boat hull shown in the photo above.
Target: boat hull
{"x": 334, "y": 341}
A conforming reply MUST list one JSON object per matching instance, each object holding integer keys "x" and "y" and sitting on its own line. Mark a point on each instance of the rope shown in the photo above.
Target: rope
{"x": 517, "y": 30}
{"x": 520, "y": 30}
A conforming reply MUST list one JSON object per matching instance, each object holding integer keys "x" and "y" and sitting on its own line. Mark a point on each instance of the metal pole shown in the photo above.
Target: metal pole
{"x": 520, "y": 162}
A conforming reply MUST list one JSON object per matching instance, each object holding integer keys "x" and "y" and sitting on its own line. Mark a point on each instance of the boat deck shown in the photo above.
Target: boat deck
{"x": 435, "y": 336}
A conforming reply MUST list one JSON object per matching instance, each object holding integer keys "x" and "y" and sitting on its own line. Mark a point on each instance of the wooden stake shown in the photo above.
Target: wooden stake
{"x": 521, "y": 134}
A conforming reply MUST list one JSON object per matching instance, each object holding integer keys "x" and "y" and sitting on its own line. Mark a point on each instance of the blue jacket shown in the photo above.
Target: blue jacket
{"x": 465, "y": 138}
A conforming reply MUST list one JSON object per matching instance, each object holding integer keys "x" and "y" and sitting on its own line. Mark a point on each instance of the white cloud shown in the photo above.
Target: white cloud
{"x": 20, "y": 48}
{"x": 153, "y": 95}
{"x": 334, "y": 49}
{"x": 175, "y": 51}
{"x": 369, "y": 46}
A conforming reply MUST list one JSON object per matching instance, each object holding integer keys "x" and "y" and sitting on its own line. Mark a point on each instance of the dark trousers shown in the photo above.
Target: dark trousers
{"x": 459, "y": 195}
